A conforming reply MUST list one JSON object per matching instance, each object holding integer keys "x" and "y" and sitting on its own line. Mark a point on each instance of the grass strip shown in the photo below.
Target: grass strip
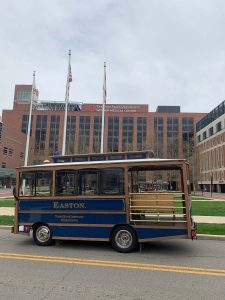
{"x": 6, "y": 220}
{"x": 215, "y": 229}
{"x": 209, "y": 208}
{"x": 7, "y": 203}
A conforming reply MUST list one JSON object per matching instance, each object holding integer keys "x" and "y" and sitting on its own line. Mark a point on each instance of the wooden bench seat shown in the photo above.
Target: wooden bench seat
{"x": 152, "y": 203}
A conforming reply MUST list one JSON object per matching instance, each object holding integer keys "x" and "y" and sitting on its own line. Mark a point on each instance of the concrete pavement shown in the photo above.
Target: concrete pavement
{"x": 7, "y": 211}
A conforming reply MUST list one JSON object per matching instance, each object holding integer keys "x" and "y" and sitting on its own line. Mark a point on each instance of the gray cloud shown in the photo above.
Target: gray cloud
{"x": 158, "y": 52}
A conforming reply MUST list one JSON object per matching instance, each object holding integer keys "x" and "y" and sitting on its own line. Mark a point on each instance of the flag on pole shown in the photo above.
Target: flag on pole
{"x": 104, "y": 84}
{"x": 69, "y": 79}
{"x": 70, "y": 74}
{"x": 103, "y": 110}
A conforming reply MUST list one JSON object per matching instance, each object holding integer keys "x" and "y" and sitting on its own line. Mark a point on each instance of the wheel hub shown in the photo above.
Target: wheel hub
{"x": 124, "y": 238}
{"x": 43, "y": 234}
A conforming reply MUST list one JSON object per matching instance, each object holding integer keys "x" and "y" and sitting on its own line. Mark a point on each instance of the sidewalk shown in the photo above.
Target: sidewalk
{"x": 7, "y": 211}
{"x": 5, "y": 193}
{"x": 215, "y": 196}
{"x": 209, "y": 219}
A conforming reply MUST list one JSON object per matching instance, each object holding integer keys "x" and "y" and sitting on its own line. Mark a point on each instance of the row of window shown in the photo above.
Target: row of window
{"x": 211, "y": 131}
{"x": 1, "y": 128}
{"x": 212, "y": 116}
{"x": 7, "y": 151}
{"x": 73, "y": 182}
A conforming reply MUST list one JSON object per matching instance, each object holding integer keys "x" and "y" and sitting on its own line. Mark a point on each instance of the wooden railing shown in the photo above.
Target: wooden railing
{"x": 157, "y": 207}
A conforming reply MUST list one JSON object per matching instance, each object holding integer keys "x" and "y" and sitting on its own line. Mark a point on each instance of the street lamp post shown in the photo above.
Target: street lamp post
{"x": 211, "y": 183}
{"x": 201, "y": 183}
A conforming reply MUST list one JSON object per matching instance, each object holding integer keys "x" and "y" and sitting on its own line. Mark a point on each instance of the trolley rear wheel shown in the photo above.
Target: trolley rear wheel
{"x": 124, "y": 239}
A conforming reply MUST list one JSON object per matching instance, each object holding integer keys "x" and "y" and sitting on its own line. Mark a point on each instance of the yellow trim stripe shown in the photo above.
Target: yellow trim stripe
{"x": 115, "y": 264}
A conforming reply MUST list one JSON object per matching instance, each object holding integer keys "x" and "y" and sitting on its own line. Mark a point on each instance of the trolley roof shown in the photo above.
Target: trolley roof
{"x": 132, "y": 163}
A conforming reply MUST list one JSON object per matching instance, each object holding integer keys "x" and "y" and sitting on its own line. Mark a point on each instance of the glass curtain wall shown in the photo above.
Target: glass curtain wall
{"x": 84, "y": 134}
{"x": 97, "y": 134}
{"x": 141, "y": 133}
{"x": 128, "y": 130}
{"x": 172, "y": 137}
{"x": 113, "y": 134}
{"x": 40, "y": 134}
{"x": 70, "y": 134}
{"x": 158, "y": 137}
{"x": 54, "y": 135}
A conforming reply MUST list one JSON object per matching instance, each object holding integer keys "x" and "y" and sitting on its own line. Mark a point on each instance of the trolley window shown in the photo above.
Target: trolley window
{"x": 66, "y": 182}
{"x": 89, "y": 182}
{"x": 36, "y": 183}
{"x": 113, "y": 181}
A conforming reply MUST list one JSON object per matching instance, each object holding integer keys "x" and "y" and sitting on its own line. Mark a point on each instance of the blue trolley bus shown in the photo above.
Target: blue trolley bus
{"x": 104, "y": 200}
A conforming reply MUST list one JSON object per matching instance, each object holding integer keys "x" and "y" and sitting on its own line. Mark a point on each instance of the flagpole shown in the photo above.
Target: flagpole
{"x": 103, "y": 110}
{"x": 66, "y": 104}
{"x": 29, "y": 122}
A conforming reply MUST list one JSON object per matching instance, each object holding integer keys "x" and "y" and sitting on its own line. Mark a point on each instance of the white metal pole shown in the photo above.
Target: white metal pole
{"x": 103, "y": 110}
{"x": 66, "y": 106}
{"x": 29, "y": 122}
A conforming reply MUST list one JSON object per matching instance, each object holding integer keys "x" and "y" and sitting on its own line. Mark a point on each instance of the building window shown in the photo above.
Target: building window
{"x": 158, "y": 137}
{"x": 113, "y": 134}
{"x": 204, "y": 135}
{"x": 210, "y": 131}
{"x": 24, "y": 127}
{"x": 188, "y": 137}
{"x": 172, "y": 138}
{"x": 3, "y": 165}
{"x": 199, "y": 138}
{"x": 1, "y": 128}
{"x": 7, "y": 151}
{"x": 10, "y": 152}
{"x": 218, "y": 127}
{"x": 54, "y": 135}
{"x": 70, "y": 134}
{"x": 23, "y": 95}
{"x": 141, "y": 133}
{"x": 128, "y": 130}
{"x": 97, "y": 134}
{"x": 84, "y": 134}
{"x": 40, "y": 134}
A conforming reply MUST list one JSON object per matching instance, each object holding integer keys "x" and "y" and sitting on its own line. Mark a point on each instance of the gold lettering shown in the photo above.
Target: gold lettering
{"x": 67, "y": 205}
{"x": 56, "y": 204}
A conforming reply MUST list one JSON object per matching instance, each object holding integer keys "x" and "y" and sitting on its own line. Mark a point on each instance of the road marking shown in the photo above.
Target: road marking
{"x": 114, "y": 264}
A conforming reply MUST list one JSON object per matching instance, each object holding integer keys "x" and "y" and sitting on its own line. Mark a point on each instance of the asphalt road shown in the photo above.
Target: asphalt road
{"x": 175, "y": 269}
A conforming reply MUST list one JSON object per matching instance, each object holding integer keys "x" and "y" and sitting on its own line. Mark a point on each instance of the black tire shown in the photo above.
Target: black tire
{"x": 42, "y": 235}
{"x": 124, "y": 239}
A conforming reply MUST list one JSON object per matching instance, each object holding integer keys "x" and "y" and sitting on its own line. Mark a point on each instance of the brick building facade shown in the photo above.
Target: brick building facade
{"x": 210, "y": 160}
{"x": 168, "y": 132}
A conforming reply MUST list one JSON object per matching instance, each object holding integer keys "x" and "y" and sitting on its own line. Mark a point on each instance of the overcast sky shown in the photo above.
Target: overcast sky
{"x": 158, "y": 52}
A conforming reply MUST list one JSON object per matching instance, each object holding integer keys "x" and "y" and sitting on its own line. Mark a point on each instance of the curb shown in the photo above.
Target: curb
{"x": 211, "y": 237}
{"x": 6, "y": 227}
